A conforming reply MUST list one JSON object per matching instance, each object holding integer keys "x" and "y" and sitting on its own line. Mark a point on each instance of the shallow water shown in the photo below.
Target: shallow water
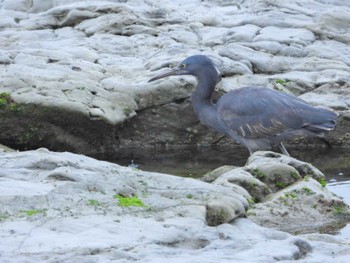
{"x": 195, "y": 162}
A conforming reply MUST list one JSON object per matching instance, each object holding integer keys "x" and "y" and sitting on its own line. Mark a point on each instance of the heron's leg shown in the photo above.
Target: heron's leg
{"x": 283, "y": 149}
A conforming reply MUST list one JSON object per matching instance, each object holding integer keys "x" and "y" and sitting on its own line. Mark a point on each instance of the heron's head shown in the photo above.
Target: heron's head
{"x": 198, "y": 65}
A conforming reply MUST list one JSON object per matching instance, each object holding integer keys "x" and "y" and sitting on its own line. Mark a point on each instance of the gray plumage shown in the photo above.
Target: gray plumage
{"x": 255, "y": 117}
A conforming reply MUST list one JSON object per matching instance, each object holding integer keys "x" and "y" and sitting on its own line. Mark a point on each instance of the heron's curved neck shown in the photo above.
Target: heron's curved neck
{"x": 201, "y": 101}
{"x": 205, "y": 88}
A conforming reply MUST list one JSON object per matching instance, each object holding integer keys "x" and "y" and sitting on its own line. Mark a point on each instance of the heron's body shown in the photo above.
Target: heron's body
{"x": 255, "y": 117}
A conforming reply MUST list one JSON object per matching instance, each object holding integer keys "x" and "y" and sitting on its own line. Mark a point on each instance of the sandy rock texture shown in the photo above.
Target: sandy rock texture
{"x": 76, "y": 71}
{"x": 284, "y": 193}
{"x": 64, "y": 207}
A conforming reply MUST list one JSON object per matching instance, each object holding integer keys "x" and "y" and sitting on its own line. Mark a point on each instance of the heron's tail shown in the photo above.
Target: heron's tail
{"x": 322, "y": 120}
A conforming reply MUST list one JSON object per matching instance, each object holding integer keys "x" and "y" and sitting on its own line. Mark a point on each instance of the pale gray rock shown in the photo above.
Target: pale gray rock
{"x": 275, "y": 175}
{"x": 213, "y": 175}
{"x": 261, "y": 159}
{"x": 34, "y": 6}
{"x": 90, "y": 62}
{"x": 334, "y": 24}
{"x": 245, "y": 33}
{"x": 329, "y": 49}
{"x": 17, "y": 5}
{"x": 332, "y": 95}
{"x": 284, "y": 194}
{"x": 335, "y": 101}
{"x": 260, "y": 61}
{"x": 58, "y": 176}
{"x": 180, "y": 34}
{"x": 10, "y": 19}
{"x": 5, "y": 58}
{"x": 111, "y": 23}
{"x": 255, "y": 189}
{"x": 77, "y": 74}
{"x": 281, "y": 192}
{"x": 285, "y": 35}
{"x": 3, "y": 148}
{"x": 60, "y": 207}
{"x": 223, "y": 209}
{"x": 213, "y": 36}
{"x": 303, "y": 207}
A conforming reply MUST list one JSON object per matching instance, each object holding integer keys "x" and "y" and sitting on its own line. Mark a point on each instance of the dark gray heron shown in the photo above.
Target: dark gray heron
{"x": 255, "y": 117}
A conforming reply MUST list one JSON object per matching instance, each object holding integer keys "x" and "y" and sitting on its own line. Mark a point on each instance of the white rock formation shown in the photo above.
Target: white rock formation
{"x": 95, "y": 57}
{"x": 61, "y": 207}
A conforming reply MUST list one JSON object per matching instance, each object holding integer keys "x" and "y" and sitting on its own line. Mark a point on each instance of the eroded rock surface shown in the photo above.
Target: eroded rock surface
{"x": 77, "y": 71}
{"x": 63, "y": 207}
{"x": 286, "y": 194}
{"x": 65, "y": 183}
{"x": 303, "y": 207}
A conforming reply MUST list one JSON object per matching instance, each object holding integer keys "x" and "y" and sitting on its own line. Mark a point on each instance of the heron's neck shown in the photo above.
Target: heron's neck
{"x": 202, "y": 104}
{"x": 204, "y": 90}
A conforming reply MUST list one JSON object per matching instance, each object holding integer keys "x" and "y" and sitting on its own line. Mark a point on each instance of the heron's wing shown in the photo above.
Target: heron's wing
{"x": 260, "y": 112}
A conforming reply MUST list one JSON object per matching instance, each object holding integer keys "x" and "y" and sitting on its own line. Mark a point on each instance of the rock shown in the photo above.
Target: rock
{"x": 56, "y": 181}
{"x": 212, "y": 36}
{"x": 332, "y": 95}
{"x": 256, "y": 189}
{"x": 281, "y": 192}
{"x": 5, "y": 58}
{"x": 259, "y": 61}
{"x": 17, "y": 5}
{"x": 303, "y": 207}
{"x": 90, "y": 62}
{"x": 5, "y": 149}
{"x": 274, "y": 186}
{"x": 245, "y": 33}
{"x": 282, "y": 35}
{"x": 334, "y": 101}
{"x": 72, "y": 208}
{"x": 111, "y": 23}
{"x": 213, "y": 175}
{"x": 269, "y": 159}
{"x": 275, "y": 175}
{"x": 223, "y": 210}
{"x": 74, "y": 78}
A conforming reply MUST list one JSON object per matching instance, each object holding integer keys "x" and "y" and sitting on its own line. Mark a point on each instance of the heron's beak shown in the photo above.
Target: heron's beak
{"x": 176, "y": 71}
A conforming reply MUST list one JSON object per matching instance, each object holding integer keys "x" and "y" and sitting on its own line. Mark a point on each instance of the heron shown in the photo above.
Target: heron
{"x": 255, "y": 117}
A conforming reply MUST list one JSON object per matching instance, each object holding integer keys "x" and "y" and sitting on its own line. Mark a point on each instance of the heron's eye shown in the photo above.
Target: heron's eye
{"x": 183, "y": 66}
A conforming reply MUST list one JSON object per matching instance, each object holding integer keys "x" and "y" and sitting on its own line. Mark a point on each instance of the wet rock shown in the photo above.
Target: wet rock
{"x": 275, "y": 175}
{"x": 3, "y": 148}
{"x": 286, "y": 163}
{"x": 256, "y": 189}
{"x": 213, "y": 175}
{"x": 303, "y": 207}
{"x": 281, "y": 192}
{"x": 223, "y": 210}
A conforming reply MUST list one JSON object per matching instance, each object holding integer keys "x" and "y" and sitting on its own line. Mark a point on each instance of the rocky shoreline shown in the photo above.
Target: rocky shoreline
{"x": 73, "y": 80}
{"x": 74, "y": 75}
{"x": 64, "y": 207}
